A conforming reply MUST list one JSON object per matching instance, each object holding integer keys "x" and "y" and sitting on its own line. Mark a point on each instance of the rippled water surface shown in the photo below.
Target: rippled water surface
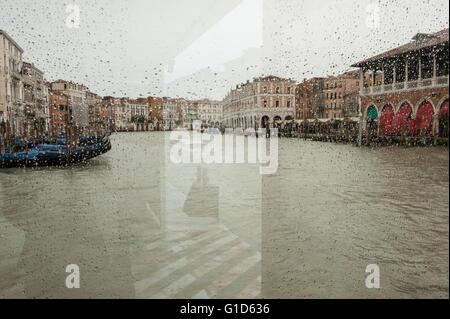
{"x": 140, "y": 226}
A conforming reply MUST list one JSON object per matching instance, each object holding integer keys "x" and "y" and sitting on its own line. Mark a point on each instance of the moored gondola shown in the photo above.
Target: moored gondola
{"x": 47, "y": 154}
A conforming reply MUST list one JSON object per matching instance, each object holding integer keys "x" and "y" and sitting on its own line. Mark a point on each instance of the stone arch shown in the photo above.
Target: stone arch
{"x": 443, "y": 118}
{"x": 424, "y": 118}
{"x": 366, "y": 111}
{"x": 422, "y": 101}
{"x": 402, "y": 118}
{"x": 402, "y": 102}
{"x": 441, "y": 102}
{"x": 370, "y": 122}
{"x": 264, "y": 121}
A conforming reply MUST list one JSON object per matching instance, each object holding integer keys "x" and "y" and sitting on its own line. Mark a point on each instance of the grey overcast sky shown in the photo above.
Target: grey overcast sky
{"x": 202, "y": 48}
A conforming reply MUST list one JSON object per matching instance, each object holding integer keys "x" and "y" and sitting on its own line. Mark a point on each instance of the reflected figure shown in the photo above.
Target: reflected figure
{"x": 203, "y": 198}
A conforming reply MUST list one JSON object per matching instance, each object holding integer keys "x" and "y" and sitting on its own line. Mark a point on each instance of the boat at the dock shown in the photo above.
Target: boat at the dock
{"x": 58, "y": 153}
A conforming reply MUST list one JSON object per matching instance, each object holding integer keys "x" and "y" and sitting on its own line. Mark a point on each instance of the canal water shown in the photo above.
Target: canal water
{"x": 139, "y": 225}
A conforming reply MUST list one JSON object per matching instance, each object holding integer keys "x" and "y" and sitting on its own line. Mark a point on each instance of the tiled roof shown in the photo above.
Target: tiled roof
{"x": 434, "y": 39}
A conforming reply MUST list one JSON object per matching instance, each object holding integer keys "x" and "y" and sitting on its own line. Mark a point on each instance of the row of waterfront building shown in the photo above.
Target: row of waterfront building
{"x": 268, "y": 100}
{"x": 27, "y": 100}
{"x": 401, "y": 91}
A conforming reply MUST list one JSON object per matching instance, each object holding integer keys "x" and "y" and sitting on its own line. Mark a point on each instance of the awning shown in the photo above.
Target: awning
{"x": 424, "y": 117}
{"x": 411, "y": 127}
{"x": 444, "y": 109}
{"x": 386, "y": 119}
{"x": 399, "y": 121}
{"x": 373, "y": 113}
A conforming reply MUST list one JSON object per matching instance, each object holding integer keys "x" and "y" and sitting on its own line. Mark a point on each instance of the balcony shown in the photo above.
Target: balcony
{"x": 399, "y": 87}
